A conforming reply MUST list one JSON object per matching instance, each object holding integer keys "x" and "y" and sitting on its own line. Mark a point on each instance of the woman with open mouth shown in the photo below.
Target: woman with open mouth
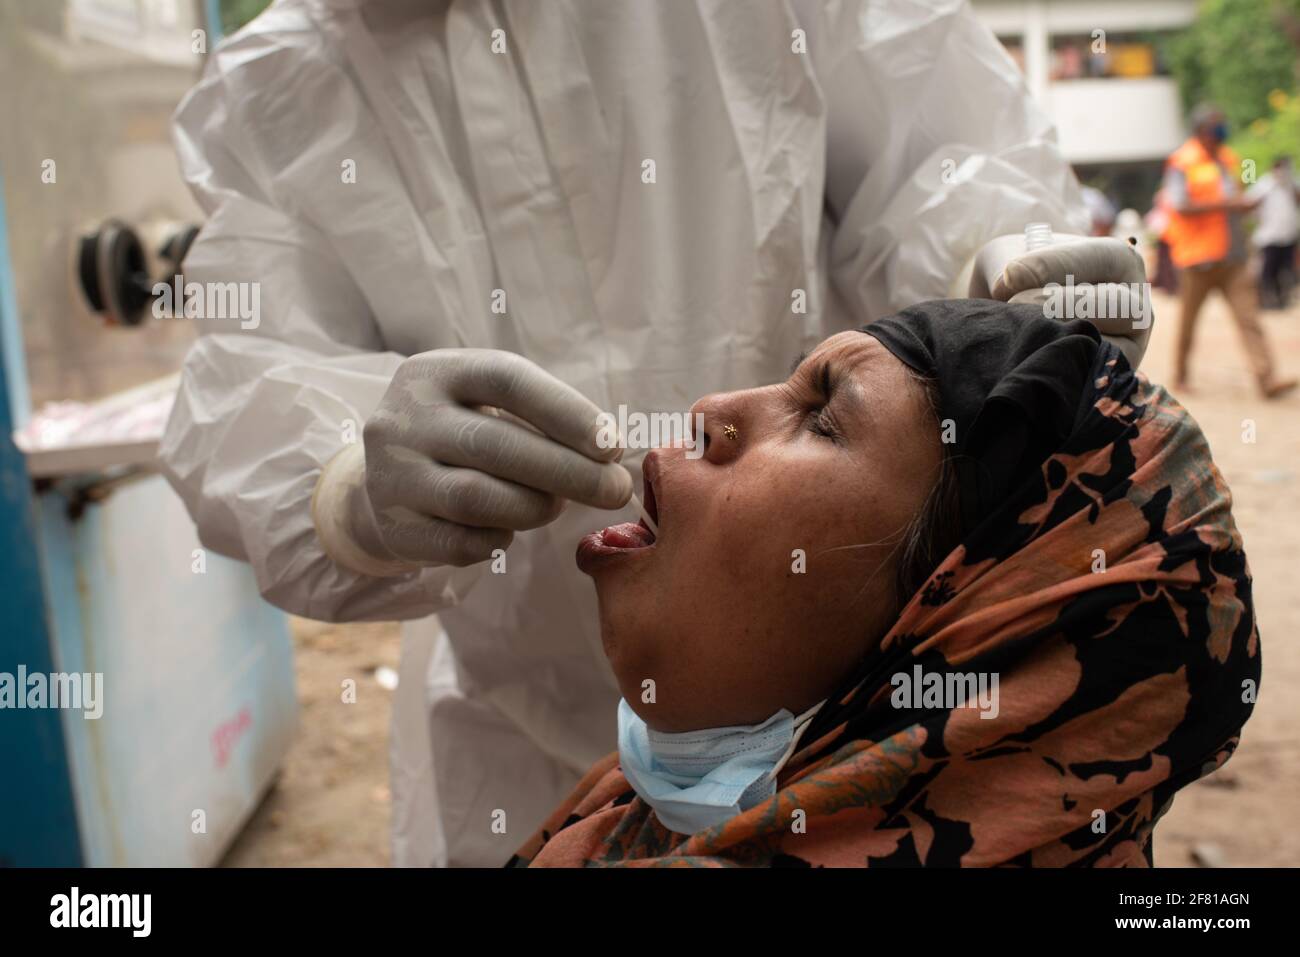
{"x": 964, "y": 590}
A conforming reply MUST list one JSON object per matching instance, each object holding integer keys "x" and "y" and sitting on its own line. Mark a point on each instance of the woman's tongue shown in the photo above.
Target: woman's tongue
{"x": 627, "y": 535}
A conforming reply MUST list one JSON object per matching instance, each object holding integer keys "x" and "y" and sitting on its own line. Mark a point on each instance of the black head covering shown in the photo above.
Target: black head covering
{"x": 1011, "y": 381}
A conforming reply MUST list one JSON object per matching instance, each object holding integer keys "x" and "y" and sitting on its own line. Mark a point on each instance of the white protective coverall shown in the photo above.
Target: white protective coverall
{"x": 379, "y": 170}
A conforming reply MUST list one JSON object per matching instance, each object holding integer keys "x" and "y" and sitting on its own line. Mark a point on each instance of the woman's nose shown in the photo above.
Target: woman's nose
{"x": 718, "y": 423}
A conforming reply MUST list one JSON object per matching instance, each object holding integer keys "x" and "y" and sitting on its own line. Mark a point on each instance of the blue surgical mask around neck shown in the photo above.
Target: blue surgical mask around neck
{"x": 698, "y": 779}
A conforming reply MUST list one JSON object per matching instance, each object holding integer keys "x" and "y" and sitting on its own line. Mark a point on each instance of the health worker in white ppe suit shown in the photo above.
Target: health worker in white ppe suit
{"x": 463, "y": 215}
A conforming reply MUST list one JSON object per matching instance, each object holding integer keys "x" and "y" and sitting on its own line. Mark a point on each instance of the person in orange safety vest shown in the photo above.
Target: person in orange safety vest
{"x": 1208, "y": 245}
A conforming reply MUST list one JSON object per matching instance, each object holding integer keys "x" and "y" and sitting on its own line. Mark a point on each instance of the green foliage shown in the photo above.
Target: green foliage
{"x": 1271, "y": 136}
{"x": 235, "y": 13}
{"x": 1235, "y": 54}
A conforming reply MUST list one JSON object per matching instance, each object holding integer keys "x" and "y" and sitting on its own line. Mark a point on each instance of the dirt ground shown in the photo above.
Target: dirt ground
{"x": 330, "y": 806}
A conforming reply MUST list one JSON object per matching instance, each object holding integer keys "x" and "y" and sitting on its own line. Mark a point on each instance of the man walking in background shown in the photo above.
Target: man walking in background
{"x": 1275, "y": 235}
{"x": 1208, "y": 245}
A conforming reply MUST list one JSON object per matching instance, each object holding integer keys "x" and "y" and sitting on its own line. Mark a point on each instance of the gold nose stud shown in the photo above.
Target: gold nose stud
{"x": 730, "y": 431}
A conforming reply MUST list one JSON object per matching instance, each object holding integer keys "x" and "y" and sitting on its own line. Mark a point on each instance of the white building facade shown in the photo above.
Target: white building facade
{"x": 1095, "y": 66}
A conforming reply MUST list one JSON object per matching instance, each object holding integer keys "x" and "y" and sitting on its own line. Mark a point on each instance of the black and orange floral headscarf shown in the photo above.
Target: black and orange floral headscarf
{"x": 1101, "y": 578}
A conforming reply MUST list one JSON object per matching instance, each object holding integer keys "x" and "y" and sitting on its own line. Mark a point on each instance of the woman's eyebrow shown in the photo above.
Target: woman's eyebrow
{"x": 826, "y": 381}
{"x": 797, "y": 363}
{"x": 832, "y": 381}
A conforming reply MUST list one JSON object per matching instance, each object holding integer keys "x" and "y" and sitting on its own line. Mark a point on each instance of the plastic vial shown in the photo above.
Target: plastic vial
{"x": 1037, "y": 235}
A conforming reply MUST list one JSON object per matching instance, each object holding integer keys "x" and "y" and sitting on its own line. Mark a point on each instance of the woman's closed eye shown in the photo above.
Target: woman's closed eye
{"x": 821, "y": 421}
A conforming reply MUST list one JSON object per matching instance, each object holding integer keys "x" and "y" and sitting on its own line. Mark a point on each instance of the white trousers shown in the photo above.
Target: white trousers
{"x": 469, "y": 787}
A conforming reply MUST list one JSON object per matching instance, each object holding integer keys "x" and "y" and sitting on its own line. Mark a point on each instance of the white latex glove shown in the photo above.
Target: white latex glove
{"x": 1108, "y": 272}
{"x": 444, "y": 478}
